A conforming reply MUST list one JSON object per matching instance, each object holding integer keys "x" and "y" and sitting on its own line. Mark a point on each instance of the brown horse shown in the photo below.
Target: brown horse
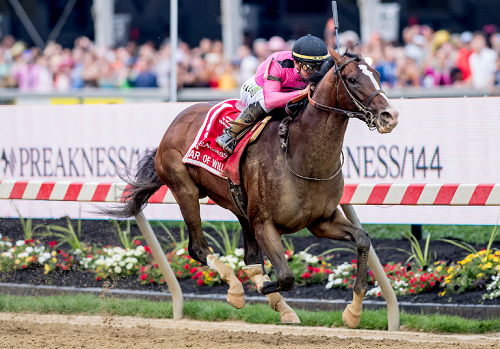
{"x": 285, "y": 191}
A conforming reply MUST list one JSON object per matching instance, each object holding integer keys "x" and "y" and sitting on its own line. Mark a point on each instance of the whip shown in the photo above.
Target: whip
{"x": 336, "y": 23}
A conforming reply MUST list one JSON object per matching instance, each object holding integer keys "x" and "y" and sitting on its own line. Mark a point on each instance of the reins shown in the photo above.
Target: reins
{"x": 364, "y": 114}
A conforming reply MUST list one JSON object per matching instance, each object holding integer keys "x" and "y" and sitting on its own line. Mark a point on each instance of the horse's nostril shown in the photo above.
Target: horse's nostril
{"x": 386, "y": 115}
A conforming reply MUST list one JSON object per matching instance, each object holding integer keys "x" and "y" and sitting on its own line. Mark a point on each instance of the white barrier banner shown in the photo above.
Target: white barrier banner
{"x": 437, "y": 141}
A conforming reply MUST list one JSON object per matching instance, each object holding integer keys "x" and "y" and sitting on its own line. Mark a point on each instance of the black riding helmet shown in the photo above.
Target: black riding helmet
{"x": 310, "y": 50}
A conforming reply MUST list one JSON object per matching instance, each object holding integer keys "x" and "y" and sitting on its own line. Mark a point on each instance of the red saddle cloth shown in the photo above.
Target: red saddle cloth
{"x": 206, "y": 153}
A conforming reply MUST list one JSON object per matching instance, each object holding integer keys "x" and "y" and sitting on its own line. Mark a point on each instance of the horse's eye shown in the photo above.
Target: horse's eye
{"x": 352, "y": 81}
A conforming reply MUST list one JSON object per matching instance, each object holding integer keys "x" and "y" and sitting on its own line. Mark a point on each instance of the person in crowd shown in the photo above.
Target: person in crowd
{"x": 463, "y": 54}
{"x": 141, "y": 74}
{"x": 248, "y": 64}
{"x": 497, "y": 73}
{"x": 386, "y": 66}
{"x": 280, "y": 78}
{"x": 482, "y": 63}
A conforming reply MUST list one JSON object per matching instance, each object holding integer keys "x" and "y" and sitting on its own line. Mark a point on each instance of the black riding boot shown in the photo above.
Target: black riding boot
{"x": 249, "y": 115}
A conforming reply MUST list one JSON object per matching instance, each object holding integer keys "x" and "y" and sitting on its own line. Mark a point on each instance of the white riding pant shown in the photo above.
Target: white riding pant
{"x": 251, "y": 92}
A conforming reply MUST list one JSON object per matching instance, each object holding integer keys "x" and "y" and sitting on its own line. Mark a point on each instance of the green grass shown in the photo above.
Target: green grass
{"x": 468, "y": 233}
{"x": 220, "y": 311}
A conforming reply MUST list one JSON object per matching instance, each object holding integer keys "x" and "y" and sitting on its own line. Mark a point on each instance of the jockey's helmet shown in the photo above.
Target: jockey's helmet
{"x": 310, "y": 50}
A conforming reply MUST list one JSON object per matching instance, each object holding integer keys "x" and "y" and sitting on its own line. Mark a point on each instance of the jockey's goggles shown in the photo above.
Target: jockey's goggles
{"x": 310, "y": 67}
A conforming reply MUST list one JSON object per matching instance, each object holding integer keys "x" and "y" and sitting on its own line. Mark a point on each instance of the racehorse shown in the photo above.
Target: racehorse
{"x": 286, "y": 191}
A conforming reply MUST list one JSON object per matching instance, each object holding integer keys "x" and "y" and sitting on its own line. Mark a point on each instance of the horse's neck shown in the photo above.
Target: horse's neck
{"x": 317, "y": 136}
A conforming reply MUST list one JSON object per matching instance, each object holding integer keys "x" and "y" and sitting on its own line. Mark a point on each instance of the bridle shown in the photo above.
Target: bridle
{"x": 364, "y": 114}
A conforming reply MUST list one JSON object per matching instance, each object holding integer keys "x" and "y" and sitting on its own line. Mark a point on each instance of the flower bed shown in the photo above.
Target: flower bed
{"x": 477, "y": 271}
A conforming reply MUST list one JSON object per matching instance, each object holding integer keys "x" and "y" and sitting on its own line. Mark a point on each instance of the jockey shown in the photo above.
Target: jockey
{"x": 280, "y": 78}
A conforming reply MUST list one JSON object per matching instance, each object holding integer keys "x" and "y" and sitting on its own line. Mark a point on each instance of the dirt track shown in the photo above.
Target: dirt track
{"x": 59, "y": 331}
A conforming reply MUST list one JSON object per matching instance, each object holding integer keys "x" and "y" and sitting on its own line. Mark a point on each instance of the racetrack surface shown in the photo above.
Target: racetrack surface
{"x": 78, "y": 331}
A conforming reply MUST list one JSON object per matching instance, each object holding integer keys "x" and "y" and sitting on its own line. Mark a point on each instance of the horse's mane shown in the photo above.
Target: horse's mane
{"x": 316, "y": 77}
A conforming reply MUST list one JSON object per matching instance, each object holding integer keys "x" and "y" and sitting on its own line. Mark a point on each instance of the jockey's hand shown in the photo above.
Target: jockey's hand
{"x": 305, "y": 91}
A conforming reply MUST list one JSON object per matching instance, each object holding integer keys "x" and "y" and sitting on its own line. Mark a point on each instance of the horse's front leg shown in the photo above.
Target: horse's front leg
{"x": 253, "y": 269}
{"x": 176, "y": 176}
{"x": 270, "y": 242}
{"x": 337, "y": 227}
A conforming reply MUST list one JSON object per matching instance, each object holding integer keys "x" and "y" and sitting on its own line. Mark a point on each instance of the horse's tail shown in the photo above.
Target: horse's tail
{"x": 140, "y": 187}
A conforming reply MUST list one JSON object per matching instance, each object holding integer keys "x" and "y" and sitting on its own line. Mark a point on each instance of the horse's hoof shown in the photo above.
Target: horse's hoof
{"x": 269, "y": 287}
{"x": 290, "y": 318}
{"x": 236, "y": 300}
{"x": 350, "y": 320}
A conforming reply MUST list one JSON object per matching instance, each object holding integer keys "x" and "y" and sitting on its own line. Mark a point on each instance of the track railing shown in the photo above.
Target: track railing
{"x": 354, "y": 194}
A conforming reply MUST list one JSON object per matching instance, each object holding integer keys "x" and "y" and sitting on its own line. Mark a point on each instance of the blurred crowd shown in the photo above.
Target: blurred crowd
{"x": 427, "y": 58}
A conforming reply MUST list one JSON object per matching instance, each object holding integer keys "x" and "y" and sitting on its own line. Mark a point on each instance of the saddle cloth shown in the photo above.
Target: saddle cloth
{"x": 206, "y": 153}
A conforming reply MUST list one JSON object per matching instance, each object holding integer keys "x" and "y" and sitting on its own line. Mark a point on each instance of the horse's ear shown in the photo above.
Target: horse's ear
{"x": 357, "y": 47}
{"x": 336, "y": 56}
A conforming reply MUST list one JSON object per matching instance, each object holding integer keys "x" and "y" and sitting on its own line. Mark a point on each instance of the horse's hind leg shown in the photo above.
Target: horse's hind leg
{"x": 253, "y": 269}
{"x": 337, "y": 227}
{"x": 187, "y": 194}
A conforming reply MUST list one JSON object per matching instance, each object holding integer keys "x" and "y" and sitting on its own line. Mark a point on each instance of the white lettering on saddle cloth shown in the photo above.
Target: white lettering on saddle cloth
{"x": 204, "y": 151}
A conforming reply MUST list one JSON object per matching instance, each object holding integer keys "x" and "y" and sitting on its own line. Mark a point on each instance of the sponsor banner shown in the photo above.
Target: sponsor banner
{"x": 436, "y": 141}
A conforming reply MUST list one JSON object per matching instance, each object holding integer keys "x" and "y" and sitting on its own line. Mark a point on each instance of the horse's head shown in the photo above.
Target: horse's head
{"x": 359, "y": 90}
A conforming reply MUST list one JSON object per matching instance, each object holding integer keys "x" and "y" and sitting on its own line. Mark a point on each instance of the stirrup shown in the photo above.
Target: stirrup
{"x": 226, "y": 142}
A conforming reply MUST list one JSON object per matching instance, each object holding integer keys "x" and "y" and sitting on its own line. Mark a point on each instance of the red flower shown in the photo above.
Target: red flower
{"x": 200, "y": 282}
{"x": 186, "y": 266}
{"x": 52, "y": 243}
{"x": 136, "y": 242}
{"x": 306, "y": 275}
{"x": 144, "y": 276}
{"x": 156, "y": 266}
{"x": 211, "y": 274}
{"x": 354, "y": 261}
{"x": 147, "y": 249}
{"x": 422, "y": 285}
{"x": 24, "y": 266}
{"x": 193, "y": 270}
{"x": 346, "y": 281}
{"x": 412, "y": 290}
{"x": 98, "y": 278}
{"x": 162, "y": 280}
{"x": 143, "y": 269}
{"x": 151, "y": 280}
{"x": 432, "y": 283}
{"x": 90, "y": 256}
{"x": 353, "y": 277}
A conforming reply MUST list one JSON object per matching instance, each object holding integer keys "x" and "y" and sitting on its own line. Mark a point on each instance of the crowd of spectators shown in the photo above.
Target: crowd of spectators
{"x": 426, "y": 59}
